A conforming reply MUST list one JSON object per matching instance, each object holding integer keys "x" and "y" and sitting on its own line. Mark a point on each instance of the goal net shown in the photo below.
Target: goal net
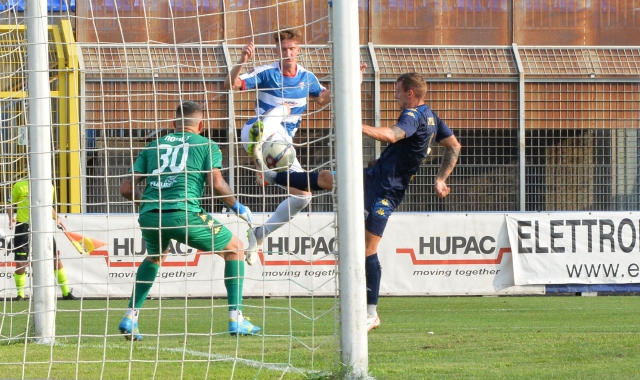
{"x": 118, "y": 70}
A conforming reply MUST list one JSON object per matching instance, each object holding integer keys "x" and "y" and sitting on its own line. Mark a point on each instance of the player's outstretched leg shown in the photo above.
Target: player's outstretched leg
{"x": 305, "y": 181}
{"x": 285, "y": 212}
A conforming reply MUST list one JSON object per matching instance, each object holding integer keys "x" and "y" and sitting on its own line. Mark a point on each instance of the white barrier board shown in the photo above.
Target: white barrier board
{"x": 421, "y": 254}
{"x": 575, "y": 248}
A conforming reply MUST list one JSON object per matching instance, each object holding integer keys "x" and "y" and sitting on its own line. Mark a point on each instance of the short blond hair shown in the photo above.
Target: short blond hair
{"x": 287, "y": 34}
{"x": 415, "y": 82}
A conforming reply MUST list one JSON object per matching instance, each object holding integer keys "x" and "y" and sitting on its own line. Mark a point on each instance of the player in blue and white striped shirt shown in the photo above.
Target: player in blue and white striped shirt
{"x": 283, "y": 89}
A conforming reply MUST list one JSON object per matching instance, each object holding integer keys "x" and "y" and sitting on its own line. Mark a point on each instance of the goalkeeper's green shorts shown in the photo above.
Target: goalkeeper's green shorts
{"x": 196, "y": 230}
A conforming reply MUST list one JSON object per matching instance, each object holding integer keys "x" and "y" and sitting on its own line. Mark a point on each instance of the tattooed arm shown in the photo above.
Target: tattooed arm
{"x": 384, "y": 134}
{"x": 449, "y": 160}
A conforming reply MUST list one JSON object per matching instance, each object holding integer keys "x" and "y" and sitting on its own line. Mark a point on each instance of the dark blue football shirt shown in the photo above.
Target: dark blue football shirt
{"x": 399, "y": 162}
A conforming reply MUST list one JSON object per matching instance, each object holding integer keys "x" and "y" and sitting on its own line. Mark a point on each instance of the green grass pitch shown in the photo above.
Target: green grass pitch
{"x": 559, "y": 337}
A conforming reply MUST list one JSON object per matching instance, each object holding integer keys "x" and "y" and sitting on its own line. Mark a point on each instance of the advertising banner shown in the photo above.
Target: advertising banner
{"x": 575, "y": 248}
{"x": 447, "y": 254}
{"x": 421, "y": 254}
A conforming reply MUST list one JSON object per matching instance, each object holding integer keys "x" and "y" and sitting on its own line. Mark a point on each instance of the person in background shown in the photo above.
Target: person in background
{"x": 20, "y": 221}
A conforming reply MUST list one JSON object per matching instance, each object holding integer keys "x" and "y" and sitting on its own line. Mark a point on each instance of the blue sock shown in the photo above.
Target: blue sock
{"x": 373, "y": 272}
{"x": 299, "y": 180}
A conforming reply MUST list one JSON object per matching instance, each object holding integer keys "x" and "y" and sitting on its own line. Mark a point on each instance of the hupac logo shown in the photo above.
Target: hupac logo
{"x": 455, "y": 250}
{"x": 298, "y": 250}
{"x": 129, "y": 252}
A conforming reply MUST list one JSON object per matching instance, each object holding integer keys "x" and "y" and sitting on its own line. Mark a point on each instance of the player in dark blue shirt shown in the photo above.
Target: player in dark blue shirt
{"x": 388, "y": 179}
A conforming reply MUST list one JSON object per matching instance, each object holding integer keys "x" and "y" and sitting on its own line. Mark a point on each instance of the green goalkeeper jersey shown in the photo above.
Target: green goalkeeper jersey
{"x": 176, "y": 168}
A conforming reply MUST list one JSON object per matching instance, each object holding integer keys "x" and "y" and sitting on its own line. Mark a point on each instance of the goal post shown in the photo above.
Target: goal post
{"x": 40, "y": 173}
{"x": 100, "y": 107}
{"x": 347, "y": 109}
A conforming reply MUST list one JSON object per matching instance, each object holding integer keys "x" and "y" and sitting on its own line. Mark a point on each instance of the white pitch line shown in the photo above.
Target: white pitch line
{"x": 218, "y": 357}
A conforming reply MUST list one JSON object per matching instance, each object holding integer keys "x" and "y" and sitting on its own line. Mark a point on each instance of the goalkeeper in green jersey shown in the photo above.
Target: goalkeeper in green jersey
{"x": 175, "y": 168}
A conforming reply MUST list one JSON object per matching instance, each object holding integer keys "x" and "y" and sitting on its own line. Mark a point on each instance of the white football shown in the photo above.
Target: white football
{"x": 278, "y": 155}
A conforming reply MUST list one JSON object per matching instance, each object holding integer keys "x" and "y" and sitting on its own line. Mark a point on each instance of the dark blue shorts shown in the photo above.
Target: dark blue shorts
{"x": 377, "y": 210}
{"x": 21, "y": 243}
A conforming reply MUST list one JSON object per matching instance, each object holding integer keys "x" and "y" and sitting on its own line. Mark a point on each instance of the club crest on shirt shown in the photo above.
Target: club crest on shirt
{"x": 301, "y": 84}
{"x": 431, "y": 121}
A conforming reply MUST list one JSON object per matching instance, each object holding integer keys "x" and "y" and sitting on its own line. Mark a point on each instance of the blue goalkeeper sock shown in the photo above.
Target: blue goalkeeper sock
{"x": 373, "y": 272}
{"x": 299, "y": 180}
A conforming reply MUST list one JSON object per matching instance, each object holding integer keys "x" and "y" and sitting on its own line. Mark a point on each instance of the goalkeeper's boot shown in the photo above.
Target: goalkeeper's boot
{"x": 255, "y": 139}
{"x": 251, "y": 252}
{"x": 19, "y": 298}
{"x": 243, "y": 328}
{"x": 255, "y": 151}
{"x": 373, "y": 322}
{"x": 129, "y": 328}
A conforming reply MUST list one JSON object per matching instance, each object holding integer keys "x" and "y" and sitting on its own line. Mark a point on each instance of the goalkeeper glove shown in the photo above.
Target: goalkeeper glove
{"x": 242, "y": 212}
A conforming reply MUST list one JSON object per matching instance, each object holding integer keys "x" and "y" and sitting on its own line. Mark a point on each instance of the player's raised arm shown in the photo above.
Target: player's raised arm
{"x": 449, "y": 160}
{"x": 384, "y": 134}
{"x": 323, "y": 99}
{"x": 233, "y": 79}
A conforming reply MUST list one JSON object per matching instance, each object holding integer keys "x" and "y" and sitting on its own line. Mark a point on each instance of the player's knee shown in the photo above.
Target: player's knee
{"x": 298, "y": 203}
{"x": 234, "y": 245}
{"x": 234, "y": 250}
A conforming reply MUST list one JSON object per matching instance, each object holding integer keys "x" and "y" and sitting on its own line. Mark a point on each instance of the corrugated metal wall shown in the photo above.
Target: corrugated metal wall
{"x": 559, "y": 77}
{"x": 403, "y": 22}
{"x": 579, "y": 108}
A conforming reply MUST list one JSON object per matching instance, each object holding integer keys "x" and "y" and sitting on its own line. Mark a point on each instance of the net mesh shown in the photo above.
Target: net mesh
{"x": 119, "y": 81}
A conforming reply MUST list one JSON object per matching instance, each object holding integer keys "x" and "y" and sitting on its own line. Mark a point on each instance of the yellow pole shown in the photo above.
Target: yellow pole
{"x": 63, "y": 124}
{"x": 75, "y": 183}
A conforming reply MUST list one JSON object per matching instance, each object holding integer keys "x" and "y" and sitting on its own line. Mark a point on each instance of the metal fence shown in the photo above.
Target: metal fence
{"x": 542, "y": 128}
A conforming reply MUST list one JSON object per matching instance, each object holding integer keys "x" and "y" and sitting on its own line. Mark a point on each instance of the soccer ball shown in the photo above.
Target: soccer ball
{"x": 278, "y": 155}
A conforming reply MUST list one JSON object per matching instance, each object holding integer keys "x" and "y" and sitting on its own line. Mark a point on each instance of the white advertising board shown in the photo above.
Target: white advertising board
{"x": 575, "y": 248}
{"x": 421, "y": 254}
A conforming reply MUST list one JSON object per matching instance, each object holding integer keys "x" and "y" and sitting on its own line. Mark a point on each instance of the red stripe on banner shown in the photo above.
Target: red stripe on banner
{"x": 415, "y": 260}
{"x": 297, "y": 262}
{"x": 129, "y": 264}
